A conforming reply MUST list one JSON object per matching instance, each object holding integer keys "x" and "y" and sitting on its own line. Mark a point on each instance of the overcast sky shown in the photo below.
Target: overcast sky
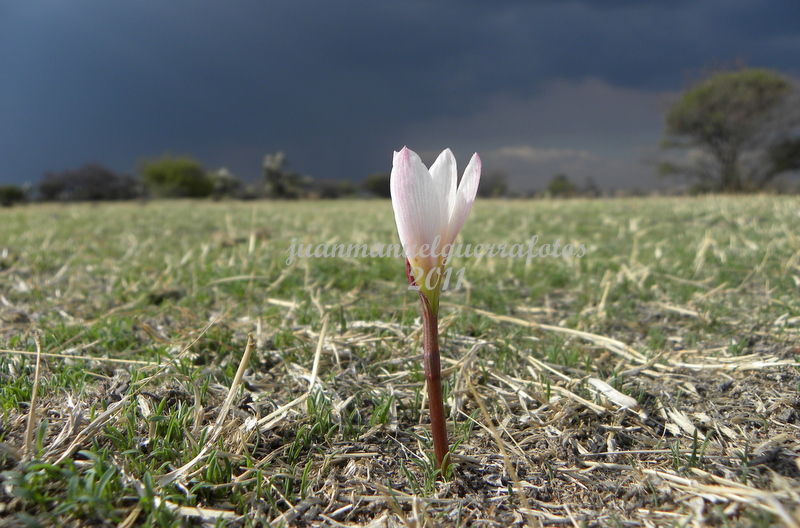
{"x": 536, "y": 87}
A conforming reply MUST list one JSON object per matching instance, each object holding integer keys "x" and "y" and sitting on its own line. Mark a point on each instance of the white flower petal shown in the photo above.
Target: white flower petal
{"x": 415, "y": 201}
{"x": 465, "y": 197}
{"x": 445, "y": 176}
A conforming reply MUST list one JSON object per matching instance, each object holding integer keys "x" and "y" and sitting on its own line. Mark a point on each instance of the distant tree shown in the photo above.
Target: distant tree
{"x": 12, "y": 194}
{"x": 494, "y": 185}
{"x": 52, "y": 186}
{"x": 332, "y": 189}
{"x": 279, "y": 182}
{"x": 377, "y": 184}
{"x": 561, "y": 186}
{"x": 742, "y": 127}
{"x": 92, "y": 182}
{"x": 252, "y": 191}
{"x": 590, "y": 188}
{"x": 273, "y": 168}
{"x": 182, "y": 177}
{"x": 224, "y": 183}
{"x": 347, "y": 189}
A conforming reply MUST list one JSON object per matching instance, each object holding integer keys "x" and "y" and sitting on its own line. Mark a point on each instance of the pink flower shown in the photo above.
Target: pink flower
{"x": 430, "y": 210}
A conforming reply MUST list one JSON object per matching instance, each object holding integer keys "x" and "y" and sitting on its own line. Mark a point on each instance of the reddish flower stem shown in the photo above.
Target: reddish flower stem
{"x": 433, "y": 375}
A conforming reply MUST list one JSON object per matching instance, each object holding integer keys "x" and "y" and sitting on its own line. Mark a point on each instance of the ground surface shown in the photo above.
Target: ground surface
{"x": 651, "y": 382}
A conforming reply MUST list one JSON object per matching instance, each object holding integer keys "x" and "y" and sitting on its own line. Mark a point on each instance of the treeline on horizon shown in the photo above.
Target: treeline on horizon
{"x": 179, "y": 177}
{"x": 172, "y": 177}
{"x": 184, "y": 177}
{"x": 736, "y": 130}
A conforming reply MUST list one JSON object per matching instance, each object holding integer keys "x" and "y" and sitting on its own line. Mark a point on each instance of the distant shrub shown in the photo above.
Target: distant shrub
{"x": 280, "y": 182}
{"x": 561, "y": 185}
{"x": 225, "y": 184}
{"x": 11, "y": 194}
{"x": 331, "y": 189}
{"x": 494, "y": 185}
{"x": 377, "y": 185}
{"x": 176, "y": 178}
{"x": 92, "y": 182}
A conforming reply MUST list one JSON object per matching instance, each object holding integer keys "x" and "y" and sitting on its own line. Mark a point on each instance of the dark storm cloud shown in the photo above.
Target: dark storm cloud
{"x": 338, "y": 85}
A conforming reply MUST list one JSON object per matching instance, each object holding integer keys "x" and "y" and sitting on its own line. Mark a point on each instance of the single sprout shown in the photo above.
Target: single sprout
{"x": 430, "y": 210}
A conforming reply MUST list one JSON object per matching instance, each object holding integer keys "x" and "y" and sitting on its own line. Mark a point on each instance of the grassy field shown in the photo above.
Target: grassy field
{"x": 189, "y": 376}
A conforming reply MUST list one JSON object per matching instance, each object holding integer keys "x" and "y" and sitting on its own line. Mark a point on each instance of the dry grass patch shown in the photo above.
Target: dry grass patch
{"x": 188, "y": 376}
